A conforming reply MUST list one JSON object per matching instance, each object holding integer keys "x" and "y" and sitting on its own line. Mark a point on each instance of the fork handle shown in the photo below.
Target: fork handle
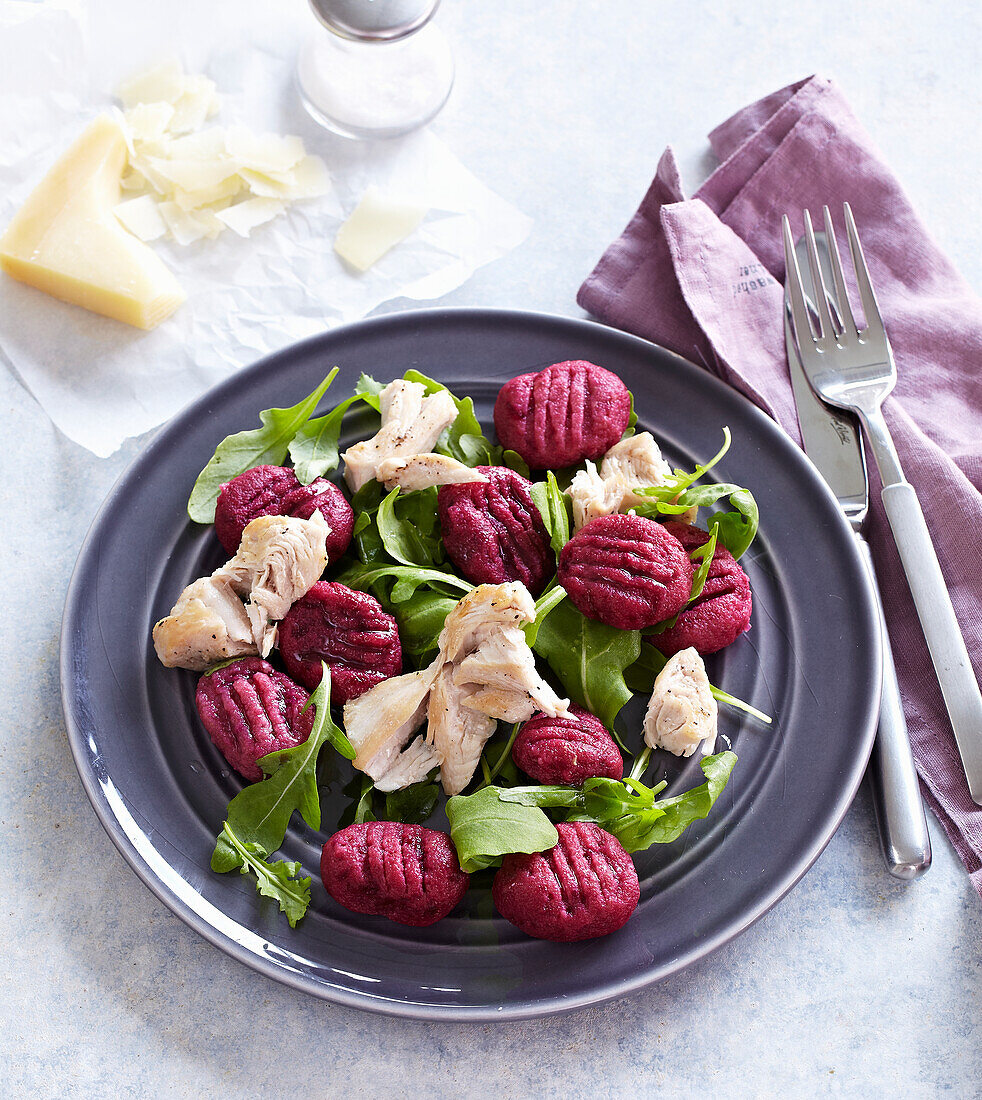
{"x": 941, "y": 631}
{"x": 904, "y": 837}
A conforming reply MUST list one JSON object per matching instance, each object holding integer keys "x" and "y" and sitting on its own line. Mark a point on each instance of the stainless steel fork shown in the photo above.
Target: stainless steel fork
{"x": 853, "y": 369}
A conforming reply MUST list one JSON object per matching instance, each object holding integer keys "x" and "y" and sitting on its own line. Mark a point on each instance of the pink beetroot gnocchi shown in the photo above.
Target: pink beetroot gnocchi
{"x": 276, "y": 491}
{"x": 407, "y": 873}
{"x": 493, "y": 532}
{"x": 626, "y": 571}
{"x": 563, "y": 414}
{"x": 584, "y": 887}
{"x": 347, "y": 629}
{"x": 721, "y": 611}
{"x": 250, "y": 709}
{"x": 567, "y": 750}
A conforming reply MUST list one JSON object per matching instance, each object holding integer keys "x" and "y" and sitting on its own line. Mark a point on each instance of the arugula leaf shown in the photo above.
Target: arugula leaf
{"x": 365, "y": 533}
{"x": 276, "y": 880}
{"x": 642, "y": 674}
{"x": 413, "y": 804}
{"x": 464, "y": 440}
{"x": 314, "y": 449}
{"x": 409, "y": 527}
{"x": 551, "y": 502}
{"x": 408, "y": 578}
{"x": 514, "y": 461}
{"x": 259, "y": 447}
{"x": 549, "y": 599}
{"x": 722, "y": 696}
{"x": 549, "y": 796}
{"x": 360, "y": 790}
{"x": 640, "y": 764}
{"x": 421, "y": 619}
{"x": 737, "y": 528}
{"x": 483, "y": 829}
{"x": 261, "y": 812}
{"x": 704, "y": 555}
{"x": 679, "y": 812}
{"x": 503, "y": 758}
{"x": 632, "y": 419}
{"x": 683, "y": 480}
{"x": 677, "y": 494}
{"x": 589, "y": 658}
{"x": 627, "y": 808}
{"x": 368, "y": 390}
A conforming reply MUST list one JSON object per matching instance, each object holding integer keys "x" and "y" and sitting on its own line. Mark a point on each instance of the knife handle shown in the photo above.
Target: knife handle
{"x": 904, "y": 838}
{"x": 949, "y": 654}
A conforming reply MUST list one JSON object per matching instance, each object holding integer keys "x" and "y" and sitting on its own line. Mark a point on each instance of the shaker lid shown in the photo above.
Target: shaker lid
{"x": 373, "y": 20}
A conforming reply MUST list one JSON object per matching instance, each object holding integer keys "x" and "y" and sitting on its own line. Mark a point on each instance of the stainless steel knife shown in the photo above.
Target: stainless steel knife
{"x": 832, "y": 441}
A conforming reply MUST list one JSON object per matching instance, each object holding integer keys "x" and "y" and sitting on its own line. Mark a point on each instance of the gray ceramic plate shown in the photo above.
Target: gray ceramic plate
{"x": 160, "y": 789}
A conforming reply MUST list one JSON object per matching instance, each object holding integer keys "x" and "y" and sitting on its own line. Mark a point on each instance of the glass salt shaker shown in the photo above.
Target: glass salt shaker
{"x": 375, "y": 68}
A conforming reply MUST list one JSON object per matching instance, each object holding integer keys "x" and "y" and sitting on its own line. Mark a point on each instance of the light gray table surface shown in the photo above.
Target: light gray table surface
{"x": 854, "y": 985}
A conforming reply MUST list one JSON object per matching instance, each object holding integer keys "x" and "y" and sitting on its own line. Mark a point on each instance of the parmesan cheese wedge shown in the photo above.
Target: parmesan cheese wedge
{"x": 376, "y": 225}
{"x": 66, "y": 240}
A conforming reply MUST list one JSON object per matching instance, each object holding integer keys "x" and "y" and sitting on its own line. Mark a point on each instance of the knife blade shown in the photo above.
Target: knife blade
{"x": 831, "y": 438}
{"x": 832, "y": 441}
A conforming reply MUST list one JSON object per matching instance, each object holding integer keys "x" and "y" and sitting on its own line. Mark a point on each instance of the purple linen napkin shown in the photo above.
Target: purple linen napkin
{"x": 703, "y": 276}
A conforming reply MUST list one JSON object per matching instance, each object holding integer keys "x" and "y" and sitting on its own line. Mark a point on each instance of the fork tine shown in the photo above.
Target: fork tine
{"x": 841, "y": 294}
{"x": 826, "y": 326}
{"x": 796, "y": 292}
{"x": 871, "y": 310}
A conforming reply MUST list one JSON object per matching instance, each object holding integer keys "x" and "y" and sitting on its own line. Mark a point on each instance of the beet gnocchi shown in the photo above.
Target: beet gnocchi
{"x": 626, "y": 571}
{"x": 567, "y": 750}
{"x": 493, "y": 532}
{"x": 346, "y": 629}
{"x": 584, "y": 887}
{"x": 404, "y": 872}
{"x": 276, "y": 491}
{"x": 249, "y": 709}
{"x": 440, "y": 568}
{"x": 721, "y": 611}
{"x": 563, "y": 414}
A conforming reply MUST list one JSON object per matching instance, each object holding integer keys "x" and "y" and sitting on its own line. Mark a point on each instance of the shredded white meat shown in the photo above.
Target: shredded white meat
{"x": 207, "y": 624}
{"x": 422, "y": 471}
{"x": 484, "y": 671}
{"x": 682, "y": 712}
{"x": 279, "y": 559}
{"x": 412, "y": 422}
{"x": 457, "y": 733}
{"x": 380, "y": 723}
{"x": 633, "y": 463}
{"x": 500, "y": 678}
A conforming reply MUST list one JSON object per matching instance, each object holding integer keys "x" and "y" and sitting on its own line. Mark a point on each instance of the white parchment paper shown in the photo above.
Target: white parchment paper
{"x": 101, "y": 381}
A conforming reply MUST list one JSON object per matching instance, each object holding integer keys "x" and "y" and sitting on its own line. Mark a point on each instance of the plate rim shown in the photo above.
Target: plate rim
{"x": 528, "y": 1009}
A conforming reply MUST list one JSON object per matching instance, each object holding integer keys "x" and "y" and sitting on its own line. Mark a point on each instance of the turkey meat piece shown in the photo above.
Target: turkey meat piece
{"x": 425, "y": 470}
{"x": 483, "y": 671}
{"x": 380, "y": 723}
{"x": 501, "y": 679}
{"x": 682, "y": 712}
{"x": 488, "y": 673}
{"x": 482, "y": 612}
{"x": 412, "y": 422}
{"x": 457, "y": 733}
{"x": 631, "y": 464}
{"x": 207, "y": 624}
{"x": 279, "y": 559}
